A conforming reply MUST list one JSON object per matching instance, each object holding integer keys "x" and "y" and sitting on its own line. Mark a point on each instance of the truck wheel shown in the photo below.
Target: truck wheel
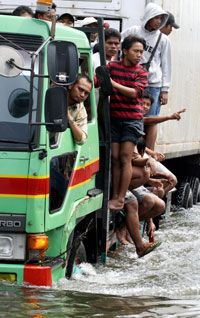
{"x": 195, "y": 186}
{"x": 77, "y": 255}
{"x": 184, "y": 197}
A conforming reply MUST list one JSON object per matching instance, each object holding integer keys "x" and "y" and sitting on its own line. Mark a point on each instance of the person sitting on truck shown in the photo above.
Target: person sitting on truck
{"x": 112, "y": 45}
{"x": 23, "y": 11}
{"x": 145, "y": 207}
{"x": 128, "y": 80}
{"x": 133, "y": 216}
{"x": 77, "y": 114}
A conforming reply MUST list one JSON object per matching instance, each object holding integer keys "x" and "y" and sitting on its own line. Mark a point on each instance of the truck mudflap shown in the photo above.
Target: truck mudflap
{"x": 33, "y": 274}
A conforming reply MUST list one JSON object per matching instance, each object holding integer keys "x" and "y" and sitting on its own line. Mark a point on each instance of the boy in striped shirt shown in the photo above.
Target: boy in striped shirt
{"x": 128, "y": 80}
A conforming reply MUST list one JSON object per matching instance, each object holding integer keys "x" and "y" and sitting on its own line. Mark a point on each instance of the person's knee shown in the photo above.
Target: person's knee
{"x": 125, "y": 158}
{"x": 115, "y": 161}
{"x": 160, "y": 192}
{"x": 159, "y": 206}
{"x": 148, "y": 202}
{"x": 173, "y": 180}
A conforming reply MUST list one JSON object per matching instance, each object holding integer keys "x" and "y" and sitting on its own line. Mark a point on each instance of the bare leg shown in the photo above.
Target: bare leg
{"x": 126, "y": 153}
{"x": 151, "y": 135}
{"x": 150, "y": 207}
{"x": 133, "y": 226}
{"x": 140, "y": 176}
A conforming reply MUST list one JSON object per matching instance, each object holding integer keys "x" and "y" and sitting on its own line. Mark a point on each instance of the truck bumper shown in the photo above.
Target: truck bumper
{"x": 30, "y": 274}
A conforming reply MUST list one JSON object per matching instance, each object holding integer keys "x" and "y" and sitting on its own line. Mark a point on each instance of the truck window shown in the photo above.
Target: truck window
{"x": 60, "y": 172}
{"x": 15, "y": 98}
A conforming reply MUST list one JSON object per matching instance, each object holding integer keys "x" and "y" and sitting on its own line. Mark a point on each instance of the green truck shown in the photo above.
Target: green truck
{"x": 53, "y": 192}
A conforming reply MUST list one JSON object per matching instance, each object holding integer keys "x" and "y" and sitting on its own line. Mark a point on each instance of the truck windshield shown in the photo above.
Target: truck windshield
{"x": 15, "y": 93}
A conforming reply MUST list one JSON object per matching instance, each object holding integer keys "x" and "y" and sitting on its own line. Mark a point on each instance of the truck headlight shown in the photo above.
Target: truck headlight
{"x": 12, "y": 246}
{"x": 6, "y": 247}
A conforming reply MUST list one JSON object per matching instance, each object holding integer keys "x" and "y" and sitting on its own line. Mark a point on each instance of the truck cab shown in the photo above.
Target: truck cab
{"x": 52, "y": 190}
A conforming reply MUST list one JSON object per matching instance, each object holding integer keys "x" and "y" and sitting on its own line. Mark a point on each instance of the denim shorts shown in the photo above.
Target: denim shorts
{"x": 155, "y": 107}
{"x": 122, "y": 131}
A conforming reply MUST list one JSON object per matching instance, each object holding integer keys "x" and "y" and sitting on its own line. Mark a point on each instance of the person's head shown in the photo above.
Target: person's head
{"x": 132, "y": 49}
{"x": 154, "y": 17}
{"x": 90, "y": 22}
{"x": 80, "y": 90}
{"x": 154, "y": 23}
{"x": 112, "y": 42}
{"x": 23, "y": 11}
{"x": 66, "y": 19}
{"x": 171, "y": 23}
{"x": 46, "y": 15}
{"x": 147, "y": 101}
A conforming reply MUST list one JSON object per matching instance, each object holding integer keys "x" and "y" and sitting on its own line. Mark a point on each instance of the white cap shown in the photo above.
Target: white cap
{"x": 88, "y": 20}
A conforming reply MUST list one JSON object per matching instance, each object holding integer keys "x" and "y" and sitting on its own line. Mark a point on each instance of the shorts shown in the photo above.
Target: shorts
{"x": 124, "y": 130}
{"x": 129, "y": 197}
{"x": 155, "y": 107}
{"x": 140, "y": 192}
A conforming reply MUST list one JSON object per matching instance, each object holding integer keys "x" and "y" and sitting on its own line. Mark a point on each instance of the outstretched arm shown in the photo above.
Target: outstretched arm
{"x": 160, "y": 119}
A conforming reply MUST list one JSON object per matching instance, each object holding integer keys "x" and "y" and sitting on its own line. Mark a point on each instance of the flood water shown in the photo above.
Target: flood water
{"x": 165, "y": 283}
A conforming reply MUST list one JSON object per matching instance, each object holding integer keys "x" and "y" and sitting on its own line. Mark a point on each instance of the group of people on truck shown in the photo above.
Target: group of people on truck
{"x": 139, "y": 79}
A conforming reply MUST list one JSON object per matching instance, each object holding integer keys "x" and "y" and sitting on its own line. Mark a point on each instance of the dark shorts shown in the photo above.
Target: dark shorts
{"x": 122, "y": 131}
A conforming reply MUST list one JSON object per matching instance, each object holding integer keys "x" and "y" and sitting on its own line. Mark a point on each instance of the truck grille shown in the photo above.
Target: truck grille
{"x": 27, "y": 42}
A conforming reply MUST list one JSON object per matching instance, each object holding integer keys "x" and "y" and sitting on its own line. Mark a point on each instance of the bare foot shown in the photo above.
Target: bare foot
{"x": 116, "y": 204}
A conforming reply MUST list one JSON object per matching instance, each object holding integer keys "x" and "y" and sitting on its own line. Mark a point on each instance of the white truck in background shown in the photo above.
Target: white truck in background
{"x": 179, "y": 141}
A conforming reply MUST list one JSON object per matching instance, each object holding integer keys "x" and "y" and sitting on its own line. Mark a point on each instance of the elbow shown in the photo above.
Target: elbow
{"x": 82, "y": 140}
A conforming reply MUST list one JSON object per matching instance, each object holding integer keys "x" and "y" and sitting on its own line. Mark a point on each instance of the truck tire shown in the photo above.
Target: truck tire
{"x": 195, "y": 186}
{"x": 77, "y": 252}
{"x": 184, "y": 197}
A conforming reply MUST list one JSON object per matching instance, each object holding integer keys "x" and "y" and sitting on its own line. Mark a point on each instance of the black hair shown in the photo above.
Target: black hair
{"x": 112, "y": 33}
{"x": 53, "y": 6}
{"x": 84, "y": 76}
{"x": 22, "y": 9}
{"x": 147, "y": 94}
{"x": 130, "y": 40}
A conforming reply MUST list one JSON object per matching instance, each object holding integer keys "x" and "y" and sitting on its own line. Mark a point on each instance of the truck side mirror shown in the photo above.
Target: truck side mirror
{"x": 56, "y": 109}
{"x": 63, "y": 62}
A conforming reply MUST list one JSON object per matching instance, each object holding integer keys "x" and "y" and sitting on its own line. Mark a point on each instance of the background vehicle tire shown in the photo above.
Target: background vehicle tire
{"x": 195, "y": 186}
{"x": 183, "y": 198}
